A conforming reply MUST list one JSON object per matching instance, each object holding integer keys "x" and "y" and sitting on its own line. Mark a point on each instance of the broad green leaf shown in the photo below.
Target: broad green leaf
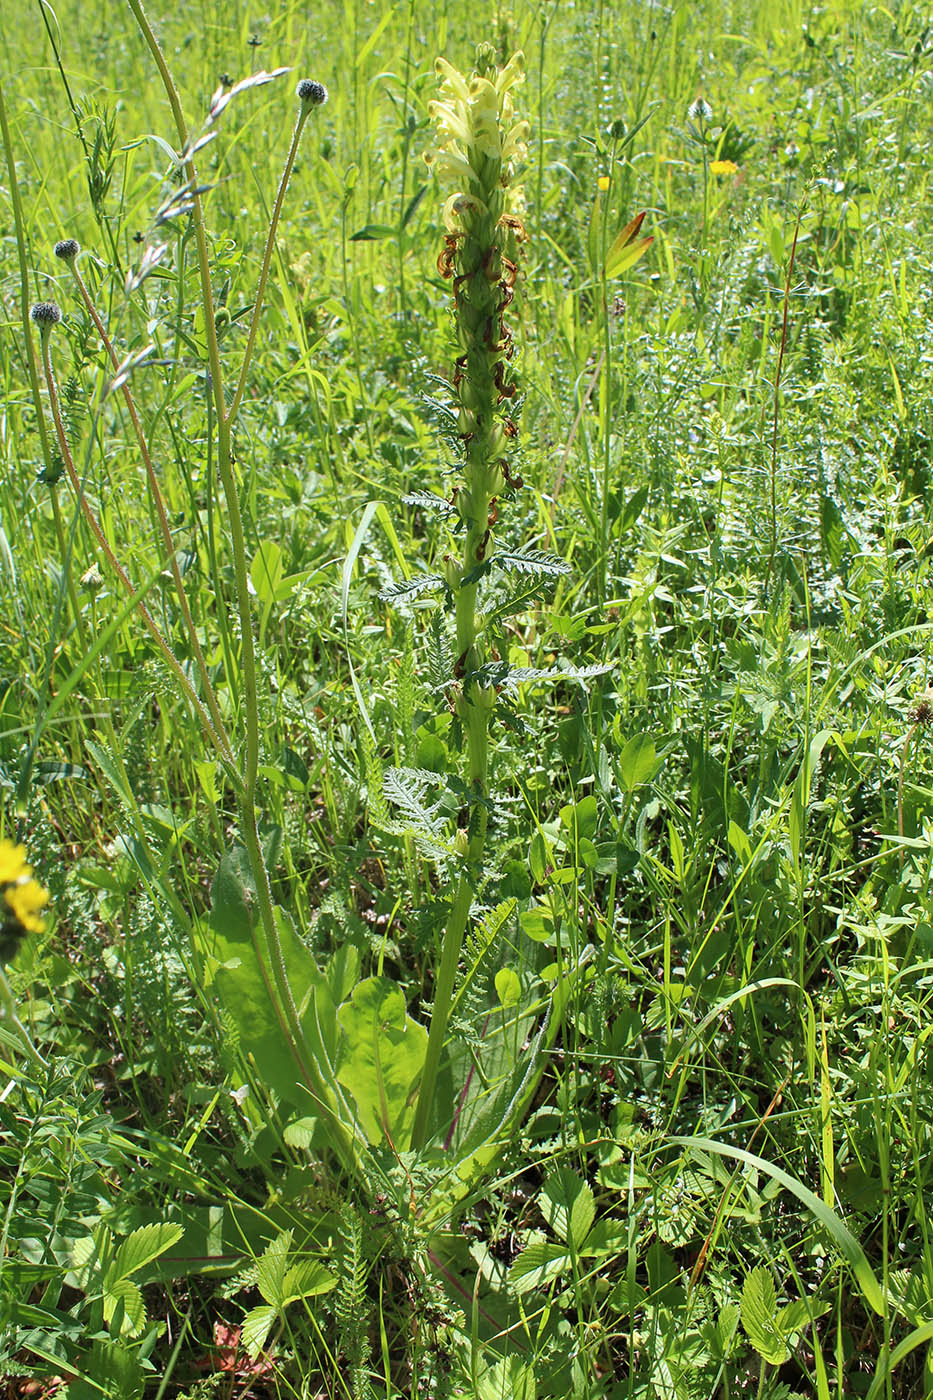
{"x": 255, "y": 1329}
{"x": 638, "y": 761}
{"x": 566, "y": 1202}
{"x": 538, "y": 923}
{"x": 141, "y": 1247}
{"x": 267, "y": 574}
{"x": 579, "y": 818}
{"x": 271, "y": 1269}
{"x": 382, "y": 1056}
{"x": 243, "y": 981}
{"x": 759, "y": 1317}
{"x": 508, "y": 986}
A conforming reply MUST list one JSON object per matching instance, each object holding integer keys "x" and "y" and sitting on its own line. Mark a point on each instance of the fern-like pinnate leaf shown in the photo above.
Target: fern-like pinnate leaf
{"x": 405, "y": 787}
{"x": 530, "y": 561}
{"x": 409, "y": 588}
{"x": 425, "y": 500}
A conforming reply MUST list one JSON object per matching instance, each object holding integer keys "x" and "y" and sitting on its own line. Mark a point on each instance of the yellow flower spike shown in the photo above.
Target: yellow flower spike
{"x": 723, "y": 167}
{"x": 452, "y": 79}
{"x": 450, "y": 120}
{"x": 513, "y": 73}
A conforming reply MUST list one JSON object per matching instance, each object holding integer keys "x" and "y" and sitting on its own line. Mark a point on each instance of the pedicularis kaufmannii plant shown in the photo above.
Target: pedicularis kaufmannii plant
{"x": 479, "y": 147}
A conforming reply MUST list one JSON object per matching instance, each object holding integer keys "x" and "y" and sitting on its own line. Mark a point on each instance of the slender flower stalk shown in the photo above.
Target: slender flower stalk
{"x": 479, "y": 146}
{"x": 46, "y": 314}
{"x": 67, "y": 250}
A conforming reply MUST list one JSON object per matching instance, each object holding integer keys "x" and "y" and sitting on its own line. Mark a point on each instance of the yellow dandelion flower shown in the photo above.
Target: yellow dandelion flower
{"x": 723, "y": 167}
{"x": 21, "y": 899}
{"x": 603, "y": 182}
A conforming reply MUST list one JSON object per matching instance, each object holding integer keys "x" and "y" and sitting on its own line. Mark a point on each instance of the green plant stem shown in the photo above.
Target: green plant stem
{"x": 81, "y": 499}
{"x": 303, "y": 112}
{"x": 164, "y": 528}
{"x": 443, "y": 992}
{"x": 32, "y": 362}
{"x": 18, "y": 1031}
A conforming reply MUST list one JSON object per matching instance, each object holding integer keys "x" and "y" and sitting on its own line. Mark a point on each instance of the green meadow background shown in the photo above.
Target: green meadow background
{"x": 722, "y": 1187}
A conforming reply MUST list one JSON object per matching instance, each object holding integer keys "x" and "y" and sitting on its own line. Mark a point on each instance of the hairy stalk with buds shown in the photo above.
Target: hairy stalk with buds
{"x": 479, "y": 147}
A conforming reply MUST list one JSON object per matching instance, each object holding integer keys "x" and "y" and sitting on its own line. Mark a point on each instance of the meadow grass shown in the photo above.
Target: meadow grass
{"x": 692, "y": 997}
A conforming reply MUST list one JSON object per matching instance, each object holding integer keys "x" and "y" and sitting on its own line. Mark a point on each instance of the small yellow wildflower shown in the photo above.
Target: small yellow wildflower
{"x": 21, "y": 899}
{"x": 723, "y": 167}
{"x": 603, "y": 182}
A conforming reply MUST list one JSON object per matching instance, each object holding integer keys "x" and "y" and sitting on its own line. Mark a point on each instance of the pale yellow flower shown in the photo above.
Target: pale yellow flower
{"x": 21, "y": 897}
{"x": 723, "y": 167}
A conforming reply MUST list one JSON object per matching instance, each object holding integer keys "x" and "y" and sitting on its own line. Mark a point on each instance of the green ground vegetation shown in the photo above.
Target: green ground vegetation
{"x": 676, "y": 1136}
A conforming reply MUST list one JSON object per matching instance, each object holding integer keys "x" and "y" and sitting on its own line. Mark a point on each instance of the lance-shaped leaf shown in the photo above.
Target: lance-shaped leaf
{"x": 627, "y": 247}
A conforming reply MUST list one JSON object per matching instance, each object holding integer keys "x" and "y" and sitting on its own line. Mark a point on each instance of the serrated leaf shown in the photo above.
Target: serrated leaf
{"x": 141, "y": 1247}
{"x": 123, "y": 1307}
{"x": 537, "y": 1265}
{"x": 307, "y": 1279}
{"x": 409, "y": 588}
{"x": 255, "y": 1329}
{"x": 405, "y": 788}
{"x": 271, "y": 1269}
{"x": 566, "y": 1202}
{"x": 759, "y": 1317}
{"x": 424, "y": 500}
{"x": 530, "y": 561}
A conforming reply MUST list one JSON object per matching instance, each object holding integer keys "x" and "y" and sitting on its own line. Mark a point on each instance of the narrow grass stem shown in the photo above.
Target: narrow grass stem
{"x": 267, "y": 262}
{"x": 32, "y": 362}
{"x": 151, "y": 625}
{"x": 164, "y": 528}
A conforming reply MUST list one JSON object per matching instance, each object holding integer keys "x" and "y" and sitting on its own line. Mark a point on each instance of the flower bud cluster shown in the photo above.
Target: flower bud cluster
{"x": 479, "y": 147}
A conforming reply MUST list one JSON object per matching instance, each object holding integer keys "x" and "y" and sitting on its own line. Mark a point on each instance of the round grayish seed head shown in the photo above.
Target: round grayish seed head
{"x": 46, "y": 313}
{"x": 315, "y": 94}
{"x": 67, "y": 249}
